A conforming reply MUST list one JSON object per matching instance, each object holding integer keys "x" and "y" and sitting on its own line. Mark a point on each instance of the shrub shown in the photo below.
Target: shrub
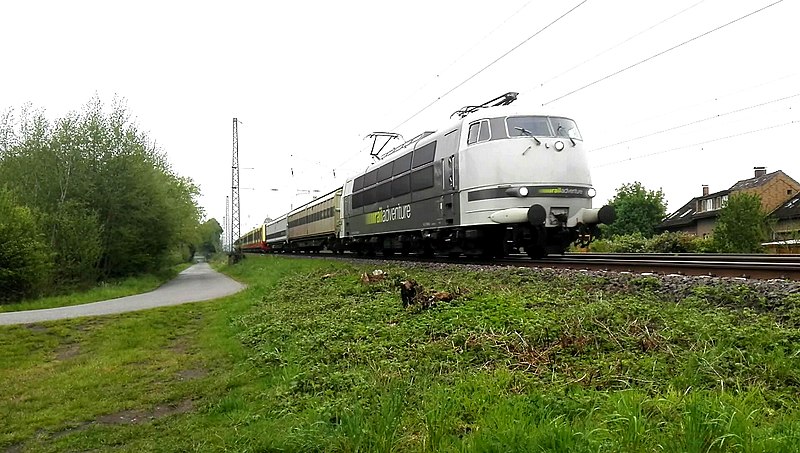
{"x": 667, "y": 242}
{"x": 24, "y": 258}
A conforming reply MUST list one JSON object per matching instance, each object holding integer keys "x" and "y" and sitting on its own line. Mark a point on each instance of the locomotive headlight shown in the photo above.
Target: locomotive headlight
{"x": 591, "y": 192}
{"x": 517, "y": 191}
{"x": 559, "y": 145}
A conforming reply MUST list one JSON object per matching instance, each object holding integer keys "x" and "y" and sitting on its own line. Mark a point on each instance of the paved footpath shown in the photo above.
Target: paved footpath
{"x": 197, "y": 283}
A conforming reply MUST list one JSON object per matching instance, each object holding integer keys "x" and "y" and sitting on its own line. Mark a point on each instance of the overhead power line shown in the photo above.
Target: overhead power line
{"x": 466, "y": 52}
{"x": 642, "y": 156}
{"x": 491, "y": 64}
{"x": 714, "y": 98}
{"x": 456, "y": 60}
{"x": 661, "y": 53}
{"x": 720, "y": 115}
{"x": 626, "y": 40}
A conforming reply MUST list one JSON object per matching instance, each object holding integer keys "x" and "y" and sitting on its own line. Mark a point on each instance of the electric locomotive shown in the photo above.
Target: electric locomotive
{"x": 495, "y": 181}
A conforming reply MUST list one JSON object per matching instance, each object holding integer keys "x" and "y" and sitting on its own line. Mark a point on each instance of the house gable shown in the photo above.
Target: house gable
{"x": 698, "y": 216}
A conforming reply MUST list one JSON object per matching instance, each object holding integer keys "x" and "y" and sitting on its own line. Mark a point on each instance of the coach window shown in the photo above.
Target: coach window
{"x": 401, "y": 185}
{"x": 356, "y": 200}
{"x": 401, "y": 165}
{"x": 385, "y": 172}
{"x": 358, "y": 184}
{"x": 370, "y": 178}
{"x": 422, "y": 179}
{"x": 368, "y": 197}
{"x": 383, "y": 191}
{"x": 423, "y": 155}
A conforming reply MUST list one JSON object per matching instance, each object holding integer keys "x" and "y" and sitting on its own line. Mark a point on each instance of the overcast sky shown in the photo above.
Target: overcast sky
{"x": 711, "y": 85}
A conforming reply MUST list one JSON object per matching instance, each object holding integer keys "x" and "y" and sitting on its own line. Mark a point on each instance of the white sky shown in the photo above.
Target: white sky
{"x": 310, "y": 79}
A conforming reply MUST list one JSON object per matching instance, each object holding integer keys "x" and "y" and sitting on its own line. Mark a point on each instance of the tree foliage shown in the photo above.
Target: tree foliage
{"x": 742, "y": 225}
{"x": 24, "y": 258}
{"x": 108, "y": 202}
{"x": 209, "y": 233}
{"x": 638, "y": 210}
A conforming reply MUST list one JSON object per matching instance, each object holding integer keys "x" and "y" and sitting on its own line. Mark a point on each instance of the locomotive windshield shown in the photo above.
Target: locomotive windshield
{"x": 542, "y": 126}
{"x": 566, "y": 128}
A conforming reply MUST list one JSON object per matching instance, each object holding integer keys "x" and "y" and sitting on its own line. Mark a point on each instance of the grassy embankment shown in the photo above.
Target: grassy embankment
{"x": 310, "y": 359}
{"x": 104, "y": 291}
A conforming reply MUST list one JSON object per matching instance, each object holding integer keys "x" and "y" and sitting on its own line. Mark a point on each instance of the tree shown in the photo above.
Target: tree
{"x": 209, "y": 233}
{"x": 107, "y": 200}
{"x": 638, "y": 210}
{"x": 742, "y": 225}
{"x": 24, "y": 259}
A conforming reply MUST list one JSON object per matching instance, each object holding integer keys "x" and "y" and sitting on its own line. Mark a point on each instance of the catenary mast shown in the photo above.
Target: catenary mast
{"x": 235, "y": 208}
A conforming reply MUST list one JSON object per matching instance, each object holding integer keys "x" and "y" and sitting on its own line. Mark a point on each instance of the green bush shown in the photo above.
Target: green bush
{"x": 628, "y": 243}
{"x": 668, "y": 242}
{"x": 24, "y": 259}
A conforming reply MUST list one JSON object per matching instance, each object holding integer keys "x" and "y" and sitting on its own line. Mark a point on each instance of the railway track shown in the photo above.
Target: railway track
{"x": 762, "y": 267}
{"x": 755, "y": 266}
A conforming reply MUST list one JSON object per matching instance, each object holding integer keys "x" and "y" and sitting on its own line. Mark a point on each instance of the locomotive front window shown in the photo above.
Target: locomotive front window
{"x": 566, "y": 128}
{"x": 473, "y": 133}
{"x": 527, "y": 126}
{"x": 478, "y": 132}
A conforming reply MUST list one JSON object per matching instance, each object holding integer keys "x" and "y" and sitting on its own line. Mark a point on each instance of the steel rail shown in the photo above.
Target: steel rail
{"x": 763, "y": 267}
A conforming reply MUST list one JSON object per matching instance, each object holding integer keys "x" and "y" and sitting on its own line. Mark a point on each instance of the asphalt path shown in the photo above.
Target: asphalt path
{"x": 197, "y": 283}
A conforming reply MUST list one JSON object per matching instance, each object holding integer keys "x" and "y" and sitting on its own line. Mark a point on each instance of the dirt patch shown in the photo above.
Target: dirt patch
{"x": 67, "y": 351}
{"x": 181, "y": 346}
{"x": 16, "y": 448}
{"x": 72, "y": 429}
{"x": 36, "y": 328}
{"x": 188, "y": 375}
{"x": 132, "y": 417}
{"x": 90, "y": 324}
{"x": 127, "y": 417}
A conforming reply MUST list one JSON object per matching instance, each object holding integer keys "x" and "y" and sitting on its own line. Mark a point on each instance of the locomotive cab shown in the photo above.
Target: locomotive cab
{"x": 538, "y": 183}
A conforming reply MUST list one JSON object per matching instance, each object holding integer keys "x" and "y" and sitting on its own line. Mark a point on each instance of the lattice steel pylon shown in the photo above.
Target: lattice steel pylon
{"x": 235, "y": 208}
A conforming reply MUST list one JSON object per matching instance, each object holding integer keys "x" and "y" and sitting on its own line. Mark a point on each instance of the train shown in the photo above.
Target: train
{"x": 495, "y": 181}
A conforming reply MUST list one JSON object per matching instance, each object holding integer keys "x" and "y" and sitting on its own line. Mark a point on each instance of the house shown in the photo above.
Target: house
{"x": 787, "y": 220}
{"x": 699, "y": 215}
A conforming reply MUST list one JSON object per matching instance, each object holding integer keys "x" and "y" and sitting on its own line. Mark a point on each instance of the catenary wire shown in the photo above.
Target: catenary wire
{"x": 626, "y": 40}
{"x": 717, "y": 116}
{"x": 642, "y": 156}
{"x": 452, "y": 63}
{"x": 468, "y": 51}
{"x": 459, "y": 85}
{"x": 715, "y": 98}
{"x": 661, "y": 53}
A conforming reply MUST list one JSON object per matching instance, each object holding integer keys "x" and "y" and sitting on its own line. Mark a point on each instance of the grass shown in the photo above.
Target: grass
{"x": 308, "y": 358}
{"x": 103, "y": 291}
